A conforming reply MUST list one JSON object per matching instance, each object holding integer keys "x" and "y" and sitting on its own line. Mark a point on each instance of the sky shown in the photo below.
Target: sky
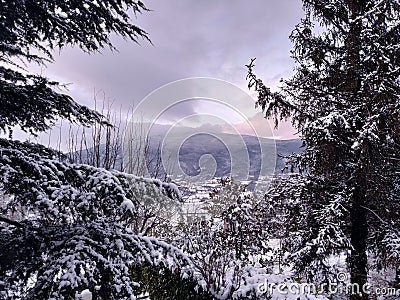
{"x": 190, "y": 38}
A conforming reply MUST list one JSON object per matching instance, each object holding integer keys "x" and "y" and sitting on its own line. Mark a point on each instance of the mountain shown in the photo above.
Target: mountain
{"x": 218, "y": 154}
{"x": 263, "y": 157}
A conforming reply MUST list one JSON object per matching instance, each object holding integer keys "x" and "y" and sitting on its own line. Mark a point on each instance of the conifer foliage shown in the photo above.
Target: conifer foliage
{"x": 344, "y": 101}
{"x": 66, "y": 227}
{"x": 29, "y": 31}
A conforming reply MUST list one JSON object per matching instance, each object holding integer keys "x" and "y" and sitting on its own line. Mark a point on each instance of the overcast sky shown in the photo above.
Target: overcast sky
{"x": 191, "y": 38}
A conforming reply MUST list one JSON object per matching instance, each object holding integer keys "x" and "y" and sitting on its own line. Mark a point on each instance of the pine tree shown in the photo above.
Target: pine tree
{"x": 66, "y": 227}
{"x": 30, "y": 31}
{"x": 344, "y": 101}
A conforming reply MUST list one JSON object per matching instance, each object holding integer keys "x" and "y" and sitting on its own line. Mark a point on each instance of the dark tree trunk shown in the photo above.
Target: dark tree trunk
{"x": 359, "y": 235}
{"x": 358, "y": 218}
{"x": 397, "y": 278}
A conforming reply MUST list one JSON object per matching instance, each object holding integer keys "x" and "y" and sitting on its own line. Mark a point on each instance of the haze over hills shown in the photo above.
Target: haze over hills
{"x": 220, "y": 154}
{"x": 257, "y": 155}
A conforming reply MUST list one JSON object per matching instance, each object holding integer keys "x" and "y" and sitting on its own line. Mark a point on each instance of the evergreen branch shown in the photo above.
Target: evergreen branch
{"x": 11, "y": 222}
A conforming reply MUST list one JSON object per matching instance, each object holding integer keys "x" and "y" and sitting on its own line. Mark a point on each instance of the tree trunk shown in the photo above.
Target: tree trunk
{"x": 358, "y": 218}
{"x": 359, "y": 235}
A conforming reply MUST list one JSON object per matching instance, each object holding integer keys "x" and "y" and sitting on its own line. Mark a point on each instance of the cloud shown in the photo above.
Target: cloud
{"x": 190, "y": 38}
{"x": 262, "y": 127}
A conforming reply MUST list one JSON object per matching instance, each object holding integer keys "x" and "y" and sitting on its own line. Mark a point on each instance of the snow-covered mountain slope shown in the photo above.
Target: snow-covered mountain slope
{"x": 224, "y": 153}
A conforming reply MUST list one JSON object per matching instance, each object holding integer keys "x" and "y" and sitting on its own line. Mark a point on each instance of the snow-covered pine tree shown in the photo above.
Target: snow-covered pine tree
{"x": 66, "y": 227}
{"x": 229, "y": 249}
{"x": 344, "y": 101}
{"x": 71, "y": 227}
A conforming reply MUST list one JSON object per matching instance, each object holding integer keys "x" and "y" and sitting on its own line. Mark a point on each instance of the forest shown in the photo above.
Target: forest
{"x": 127, "y": 207}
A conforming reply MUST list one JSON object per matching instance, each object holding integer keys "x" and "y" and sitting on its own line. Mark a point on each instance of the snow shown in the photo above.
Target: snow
{"x": 355, "y": 145}
{"x": 86, "y": 295}
{"x": 60, "y": 13}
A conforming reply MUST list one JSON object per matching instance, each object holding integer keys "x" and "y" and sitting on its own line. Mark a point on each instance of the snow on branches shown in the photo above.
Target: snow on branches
{"x": 69, "y": 227}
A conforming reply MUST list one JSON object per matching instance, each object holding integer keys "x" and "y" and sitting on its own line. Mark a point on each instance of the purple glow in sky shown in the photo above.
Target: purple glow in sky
{"x": 190, "y": 38}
